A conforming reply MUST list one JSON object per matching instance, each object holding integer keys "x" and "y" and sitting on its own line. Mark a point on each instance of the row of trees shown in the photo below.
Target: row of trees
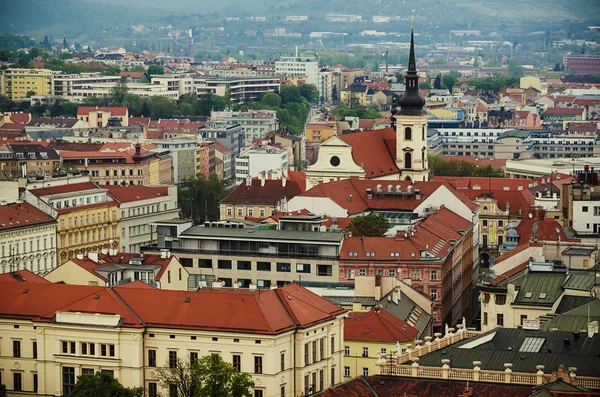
{"x": 371, "y": 112}
{"x": 440, "y": 166}
{"x": 199, "y": 198}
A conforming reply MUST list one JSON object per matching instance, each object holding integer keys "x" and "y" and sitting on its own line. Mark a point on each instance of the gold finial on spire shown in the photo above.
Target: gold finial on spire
{"x": 412, "y": 22}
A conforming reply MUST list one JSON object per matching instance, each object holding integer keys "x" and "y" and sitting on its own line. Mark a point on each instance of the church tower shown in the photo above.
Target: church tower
{"x": 411, "y": 126}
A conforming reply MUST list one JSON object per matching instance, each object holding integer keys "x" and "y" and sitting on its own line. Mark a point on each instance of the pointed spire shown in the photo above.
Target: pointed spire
{"x": 411, "y": 102}
{"x": 412, "y": 63}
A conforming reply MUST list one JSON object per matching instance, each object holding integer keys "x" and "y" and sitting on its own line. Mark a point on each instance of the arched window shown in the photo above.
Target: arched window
{"x": 407, "y": 160}
{"x": 408, "y": 134}
{"x": 423, "y": 158}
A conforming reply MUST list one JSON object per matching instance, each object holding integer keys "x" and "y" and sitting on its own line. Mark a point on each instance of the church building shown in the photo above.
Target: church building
{"x": 395, "y": 153}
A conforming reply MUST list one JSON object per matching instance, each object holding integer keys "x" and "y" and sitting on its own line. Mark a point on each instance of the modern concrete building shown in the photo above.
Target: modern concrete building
{"x": 184, "y": 150}
{"x": 256, "y": 124}
{"x": 230, "y": 136}
{"x": 261, "y": 160}
{"x": 16, "y": 83}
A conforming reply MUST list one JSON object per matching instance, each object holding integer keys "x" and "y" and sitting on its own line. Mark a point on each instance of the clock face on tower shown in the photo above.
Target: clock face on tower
{"x": 334, "y": 161}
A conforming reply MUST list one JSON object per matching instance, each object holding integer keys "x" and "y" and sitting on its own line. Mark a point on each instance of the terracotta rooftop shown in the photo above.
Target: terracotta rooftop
{"x": 115, "y": 111}
{"x": 67, "y": 188}
{"x": 133, "y": 193}
{"x": 272, "y": 192}
{"x": 374, "y": 150}
{"x": 480, "y": 162}
{"x": 22, "y": 276}
{"x": 377, "y": 325}
{"x": 22, "y": 215}
{"x": 564, "y": 111}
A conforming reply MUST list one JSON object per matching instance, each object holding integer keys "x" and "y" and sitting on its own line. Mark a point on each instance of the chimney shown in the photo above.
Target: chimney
{"x": 283, "y": 181}
{"x": 93, "y": 256}
{"x": 369, "y": 194}
{"x": 592, "y": 329}
{"x": 262, "y": 180}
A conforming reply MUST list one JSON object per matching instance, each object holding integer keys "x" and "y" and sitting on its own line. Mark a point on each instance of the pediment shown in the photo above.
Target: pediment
{"x": 408, "y": 149}
{"x": 334, "y": 141}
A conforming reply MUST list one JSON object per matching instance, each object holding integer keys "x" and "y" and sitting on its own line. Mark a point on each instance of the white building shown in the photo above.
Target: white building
{"x": 183, "y": 155}
{"x": 140, "y": 207}
{"x": 182, "y": 83}
{"x": 256, "y": 124}
{"x": 63, "y": 84}
{"x": 240, "y": 88}
{"x": 27, "y": 239}
{"x": 254, "y": 161}
{"x": 333, "y": 17}
{"x": 298, "y": 66}
{"x": 296, "y": 18}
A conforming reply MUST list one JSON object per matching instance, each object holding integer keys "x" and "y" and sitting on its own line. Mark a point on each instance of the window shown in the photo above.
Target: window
{"x": 152, "y": 390}
{"x": 322, "y": 349}
{"x": 193, "y": 357}
{"x": 408, "y": 134}
{"x": 282, "y": 361}
{"x": 237, "y": 362}
{"x": 596, "y": 211}
{"x": 485, "y": 318}
{"x": 73, "y": 350}
{"x": 500, "y": 299}
{"x": 486, "y": 297}
{"x": 18, "y": 381}
{"x": 365, "y": 371}
{"x": 35, "y": 383}
{"x": 346, "y": 350}
{"x": 332, "y": 345}
{"x": 433, "y": 276}
{"x": 332, "y": 376}
{"x": 365, "y": 352}
{"x": 324, "y": 270}
{"x": 224, "y": 264}
{"x": 282, "y": 391}
{"x": 284, "y": 267}
{"x": 172, "y": 359}
{"x": 314, "y": 351}
{"x": 240, "y": 212}
{"x": 523, "y": 318}
{"x": 485, "y": 222}
{"x": 392, "y": 273}
{"x": 16, "y": 348}
{"x": 302, "y": 268}
{"x": 258, "y": 393}
{"x": 321, "y": 380}
{"x": 346, "y": 371}
{"x": 34, "y": 349}
{"x": 173, "y": 390}
{"x": 244, "y": 265}
{"x": 434, "y": 294}
{"x": 258, "y": 364}
{"x": 87, "y": 371}
{"x": 584, "y": 208}
{"x": 307, "y": 354}
{"x": 407, "y": 160}
{"x": 500, "y": 320}
{"x": 263, "y": 266}
{"x": 152, "y": 358}
{"x": 362, "y": 272}
{"x": 415, "y": 274}
{"x": 68, "y": 377}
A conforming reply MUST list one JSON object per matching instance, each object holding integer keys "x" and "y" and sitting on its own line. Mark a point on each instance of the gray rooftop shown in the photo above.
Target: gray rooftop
{"x": 576, "y": 319}
{"x": 540, "y": 288}
{"x": 552, "y": 350}
{"x": 580, "y": 281}
{"x": 255, "y": 234}
{"x": 578, "y": 251}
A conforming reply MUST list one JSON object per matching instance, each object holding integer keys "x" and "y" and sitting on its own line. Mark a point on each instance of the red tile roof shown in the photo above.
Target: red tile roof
{"x": 564, "y": 111}
{"x": 434, "y": 235}
{"x": 377, "y": 325}
{"x": 21, "y": 276}
{"x": 139, "y": 121}
{"x": 299, "y": 177}
{"x": 548, "y": 230}
{"x": 221, "y": 148}
{"x": 135, "y": 75}
{"x": 374, "y": 150}
{"x": 75, "y": 187}
{"x": 366, "y": 124}
{"x": 271, "y": 193}
{"x": 264, "y": 312}
{"x": 133, "y": 193}
{"x": 115, "y": 111}
{"x": 108, "y": 150}
{"x": 339, "y": 192}
{"x": 21, "y": 215}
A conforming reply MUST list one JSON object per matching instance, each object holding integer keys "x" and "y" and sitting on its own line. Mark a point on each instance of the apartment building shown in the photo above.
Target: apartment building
{"x": 250, "y": 257}
{"x": 68, "y": 86}
{"x": 183, "y": 150}
{"x": 240, "y": 89}
{"x": 140, "y": 207}
{"x": 255, "y": 124}
{"x": 98, "y": 116}
{"x": 229, "y": 136}
{"x": 261, "y": 160}
{"x": 123, "y": 164}
{"x": 111, "y": 268}
{"x": 178, "y": 84}
{"x": 205, "y": 158}
{"x": 27, "y": 239}
{"x": 86, "y": 215}
{"x": 299, "y": 66}
{"x": 20, "y": 160}
{"x": 18, "y": 82}
{"x": 288, "y": 340}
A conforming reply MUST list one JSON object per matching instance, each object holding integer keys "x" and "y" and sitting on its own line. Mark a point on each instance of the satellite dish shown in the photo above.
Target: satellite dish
{"x": 223, "y": 283}
{"x": 530, "y": 216}
{"x": 240, "y": 284}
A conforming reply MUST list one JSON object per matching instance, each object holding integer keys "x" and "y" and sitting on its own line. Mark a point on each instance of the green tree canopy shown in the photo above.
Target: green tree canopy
{"x": 155, "y": 69}
{"x": 117, "y": 94}
{"x": 426, "y": 85}
{"x": 449, "y": 81}
{"x": 514, "y": 68}
{"x": 199, "y": 198}
{"x": 161, "y": 108}
{"x": 372, "y": 225}
{"x": 209, "y": 376}
{"x": 271, "y": 99}
{"x": 103, "y": 384}
{"x": 309, "y": 92}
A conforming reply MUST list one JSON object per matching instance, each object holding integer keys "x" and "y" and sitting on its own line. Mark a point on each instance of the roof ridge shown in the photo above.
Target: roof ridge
{"x": 369, "y": 386}
{"x": 120, "y": 298}
{"x": 387, "y": 324}
{"x": 75, "y": 301}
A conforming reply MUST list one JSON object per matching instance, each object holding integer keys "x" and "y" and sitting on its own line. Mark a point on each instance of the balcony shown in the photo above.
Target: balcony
{"x": 250, "y": 253}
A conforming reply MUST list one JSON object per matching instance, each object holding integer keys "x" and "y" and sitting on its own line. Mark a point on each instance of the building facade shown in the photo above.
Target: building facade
{"x": 256, "y": 124}
{"x": 260, "y": 160}
{"x": 19, "y": 82}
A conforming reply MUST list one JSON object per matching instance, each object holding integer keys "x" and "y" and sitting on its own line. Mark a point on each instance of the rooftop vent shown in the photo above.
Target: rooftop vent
{"x": 187, "y": 300}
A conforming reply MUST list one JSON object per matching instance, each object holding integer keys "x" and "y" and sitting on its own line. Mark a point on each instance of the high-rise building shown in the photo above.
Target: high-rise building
{"x": 16, "y": 83}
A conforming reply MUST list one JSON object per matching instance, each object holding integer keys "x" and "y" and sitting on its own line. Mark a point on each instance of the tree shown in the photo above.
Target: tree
{"x": 372, "y": 225}
{"x": 514, "y": 68}
{"x": 272, "y": 100}
{"x": 290, "y": 93}
{"x": 161, "y": 108}
{"x": 209, "y": 376}
{"x": 334, "y": 93}
{"x": 437, "y": 83}
{"x": 155, "y": 69}
{"x": 3, "y": 391}
{"x": 103, "y": 384}
{"x": 30, "y": 93}
{"x": 117, "y": 94}
{"x": 309, "y": 92}
{"x": 199, "y": 198}
{"x": 426, "y": 85}
{"x": 64, "y": 56}
{"x": 557, "y": 67}
{"x": 449, "y": 81}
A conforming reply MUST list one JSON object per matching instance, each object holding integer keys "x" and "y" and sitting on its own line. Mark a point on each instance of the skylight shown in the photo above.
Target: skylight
{"x": 528, "y": 295}
{"x": 532, "y": 345}
{"x": 543, "y": 295}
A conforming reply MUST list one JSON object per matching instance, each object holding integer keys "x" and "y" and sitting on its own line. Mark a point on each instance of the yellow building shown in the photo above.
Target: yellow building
{"x": 355, "y": 96}
{"x": 370, "y": 336}
{"x": 288, "y": 340}
{"x": 87, "y": 216}
{"x": 98, "y": 117}
{"x": 320, "y": 131}
{"x": 111, "y": 268}
{"x": 18, "y": 82}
